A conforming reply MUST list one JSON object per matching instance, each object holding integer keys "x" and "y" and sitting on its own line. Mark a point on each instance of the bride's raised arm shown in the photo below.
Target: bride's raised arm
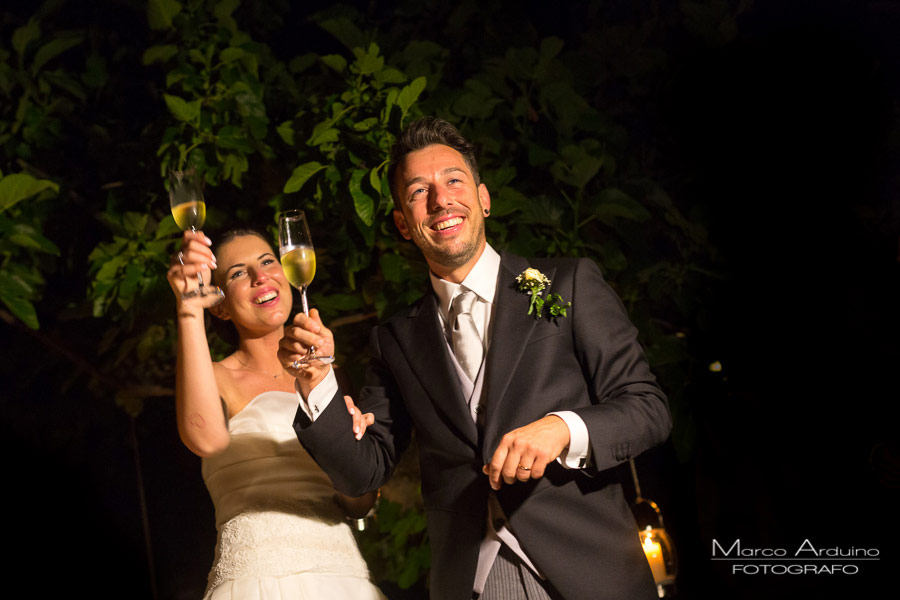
{"x": 198, "y": 406}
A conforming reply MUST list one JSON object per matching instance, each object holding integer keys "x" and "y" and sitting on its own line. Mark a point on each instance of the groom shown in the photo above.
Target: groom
{"x": 519, "y": 418}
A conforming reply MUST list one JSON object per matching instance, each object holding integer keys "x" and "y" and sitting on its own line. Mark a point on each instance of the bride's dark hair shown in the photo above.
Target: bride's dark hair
{"x": 236, "y": 232}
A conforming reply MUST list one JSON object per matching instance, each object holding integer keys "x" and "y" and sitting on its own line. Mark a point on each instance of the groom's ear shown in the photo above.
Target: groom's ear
{"x": 400, "y": 222}
{"x": 484, "y": 197}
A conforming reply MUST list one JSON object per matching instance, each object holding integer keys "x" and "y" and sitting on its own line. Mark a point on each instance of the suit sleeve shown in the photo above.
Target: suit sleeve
{"x": 629, "y": 412}
{"x": 359, "y": 466}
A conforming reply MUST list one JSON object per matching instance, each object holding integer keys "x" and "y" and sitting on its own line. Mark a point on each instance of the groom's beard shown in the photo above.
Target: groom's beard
{"x": 458, "y": 252}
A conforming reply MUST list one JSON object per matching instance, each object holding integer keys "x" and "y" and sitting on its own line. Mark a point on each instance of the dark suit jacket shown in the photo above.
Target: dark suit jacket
{"x": 574, "y": 524}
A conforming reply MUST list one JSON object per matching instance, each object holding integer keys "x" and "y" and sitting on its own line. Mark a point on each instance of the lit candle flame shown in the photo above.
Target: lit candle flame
{"x": 653, "y": 552}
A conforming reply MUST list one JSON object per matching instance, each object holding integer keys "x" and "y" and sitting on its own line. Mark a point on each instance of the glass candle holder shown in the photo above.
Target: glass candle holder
{"x": 657, "y": 545}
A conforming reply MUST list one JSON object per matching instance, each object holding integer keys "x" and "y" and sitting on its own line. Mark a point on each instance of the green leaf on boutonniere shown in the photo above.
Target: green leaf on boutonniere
{"x": 556, "y": 306}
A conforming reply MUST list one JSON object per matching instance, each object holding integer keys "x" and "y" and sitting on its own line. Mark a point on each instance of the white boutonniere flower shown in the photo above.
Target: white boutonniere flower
{"x": 532, "y": 282}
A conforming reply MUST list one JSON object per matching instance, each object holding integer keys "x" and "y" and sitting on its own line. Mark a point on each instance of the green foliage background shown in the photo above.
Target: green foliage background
{"x": 90, "y": 124}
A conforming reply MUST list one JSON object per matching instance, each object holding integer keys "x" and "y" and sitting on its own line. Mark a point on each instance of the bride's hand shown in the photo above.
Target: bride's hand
{"x": 194, "y": 257}
{"x": 361, "y": 421}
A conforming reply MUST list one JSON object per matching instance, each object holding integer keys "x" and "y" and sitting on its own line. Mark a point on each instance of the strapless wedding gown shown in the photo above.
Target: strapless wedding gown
{"x": 280, "y": 533}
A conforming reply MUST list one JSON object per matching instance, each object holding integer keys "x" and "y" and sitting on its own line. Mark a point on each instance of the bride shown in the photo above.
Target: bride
{"x": 282, "y": 530}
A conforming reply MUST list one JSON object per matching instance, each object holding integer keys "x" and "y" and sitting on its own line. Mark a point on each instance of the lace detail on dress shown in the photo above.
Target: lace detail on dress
{"x": 275, "y": 544}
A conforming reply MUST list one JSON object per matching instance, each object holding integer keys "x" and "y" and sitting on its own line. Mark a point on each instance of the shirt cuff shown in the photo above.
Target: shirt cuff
{"x": 319, "y": 397}
{"x": 578, "y": 453}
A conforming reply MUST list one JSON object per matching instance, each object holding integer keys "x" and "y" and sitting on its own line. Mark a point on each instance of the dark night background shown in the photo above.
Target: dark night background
{"x": 786, "y": 143}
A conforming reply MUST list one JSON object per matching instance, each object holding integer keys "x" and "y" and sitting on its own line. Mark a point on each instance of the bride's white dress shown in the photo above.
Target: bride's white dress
{"x": 280, "y": 533}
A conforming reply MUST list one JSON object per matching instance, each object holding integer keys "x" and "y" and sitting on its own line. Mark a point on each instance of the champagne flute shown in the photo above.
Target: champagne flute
{"x": 189, "y": 209}
{"x": 298, "y": 259}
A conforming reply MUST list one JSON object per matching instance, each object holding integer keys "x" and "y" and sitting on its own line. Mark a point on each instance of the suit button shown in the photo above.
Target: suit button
{"x": 498, "y": 524}
{"x": 479, "y": 409}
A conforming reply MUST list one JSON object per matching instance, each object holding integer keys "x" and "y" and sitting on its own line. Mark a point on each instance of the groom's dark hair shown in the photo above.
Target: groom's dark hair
{"x": 425, "y": 132}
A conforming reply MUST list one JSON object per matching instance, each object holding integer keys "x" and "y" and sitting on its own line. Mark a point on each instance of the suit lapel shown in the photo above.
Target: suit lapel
{"x": 427, "y": 355}
{"x": 511, "y": 329}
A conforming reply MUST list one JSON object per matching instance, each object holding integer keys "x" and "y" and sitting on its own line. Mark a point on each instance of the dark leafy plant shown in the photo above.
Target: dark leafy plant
{"x": 396, "y": 546}
{"x": 343, "y": 179}
{"x": 36, "y": 94}
{"x": 213, "y": 89}
{"x": 22, "y": 243}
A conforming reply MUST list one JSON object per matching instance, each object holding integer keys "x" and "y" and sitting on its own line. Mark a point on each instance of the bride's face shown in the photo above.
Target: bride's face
{"x": 257, "y": 295}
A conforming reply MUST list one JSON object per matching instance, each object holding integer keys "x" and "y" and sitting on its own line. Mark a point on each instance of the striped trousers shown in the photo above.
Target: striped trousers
{"x": 509, "y": 579}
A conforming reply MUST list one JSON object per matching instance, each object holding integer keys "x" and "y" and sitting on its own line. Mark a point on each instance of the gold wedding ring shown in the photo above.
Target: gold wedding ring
{"x": 524, "y": 468}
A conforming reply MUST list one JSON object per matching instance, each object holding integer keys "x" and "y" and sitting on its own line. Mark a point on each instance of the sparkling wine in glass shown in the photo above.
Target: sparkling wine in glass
{"x": 189, "y": 209}
{"x": 298, "y": 259}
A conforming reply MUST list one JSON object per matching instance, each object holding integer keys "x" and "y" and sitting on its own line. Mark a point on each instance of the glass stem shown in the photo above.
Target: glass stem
{"x": 312, "y": 349}
{"x": 199, "y": 275}
{"x": 303, "y": 300}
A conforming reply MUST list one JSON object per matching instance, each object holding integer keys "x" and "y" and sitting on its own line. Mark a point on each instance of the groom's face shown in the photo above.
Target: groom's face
{"x": 441, "y": 209}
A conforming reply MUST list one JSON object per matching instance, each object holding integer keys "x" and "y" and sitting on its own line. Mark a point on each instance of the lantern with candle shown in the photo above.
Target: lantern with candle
{"x": 657, "y": 544}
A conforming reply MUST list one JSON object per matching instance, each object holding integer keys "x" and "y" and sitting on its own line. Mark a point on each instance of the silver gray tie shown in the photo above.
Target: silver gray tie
{"x": 464, "y": 338}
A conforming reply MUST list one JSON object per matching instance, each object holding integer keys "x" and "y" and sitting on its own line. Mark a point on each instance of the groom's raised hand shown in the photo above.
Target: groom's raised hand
{"x": 523, "y": 453}
{"x": 306, "y": 331}
{"x": 303, "y": 332}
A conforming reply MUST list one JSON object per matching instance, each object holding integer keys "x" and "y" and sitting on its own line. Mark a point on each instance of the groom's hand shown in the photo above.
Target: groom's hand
{"x": 303, "y": 332}
{"x": 523, "y": 453}
{"x": 361, "y": 420}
